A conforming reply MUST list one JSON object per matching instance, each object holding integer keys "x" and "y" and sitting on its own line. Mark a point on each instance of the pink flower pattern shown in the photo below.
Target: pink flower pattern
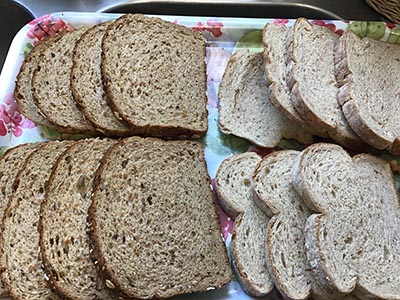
{"x": 45, "y": 26}
{"x": 330, "y": 26}
{"x": 214, "y": 27}
{"x": 11, "y": 121}
{"x": 281, "y": 21}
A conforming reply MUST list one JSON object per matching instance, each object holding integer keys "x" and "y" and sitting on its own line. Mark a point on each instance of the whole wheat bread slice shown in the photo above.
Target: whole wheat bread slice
{"x": 245, "y": 109}
{"x": 64, "y": 242}
{"x": 20, "y": 260}
{"x": 155, "y": 76}
{"x": 10, "y": 164}
{"x": 51, "y": 84}
{"x": 23, "y": 87}
{"x": 160, "y": 234}
{"x": 87, "y": 86}
{"x": 352, "y": 239}
{"x": 235, "y": 192}
{"x": 313, "y": 84}
{"x": 369, "y": 92}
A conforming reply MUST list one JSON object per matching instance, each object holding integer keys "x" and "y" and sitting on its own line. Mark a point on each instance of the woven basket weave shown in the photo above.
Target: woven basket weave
{"x": 389, "y": 8}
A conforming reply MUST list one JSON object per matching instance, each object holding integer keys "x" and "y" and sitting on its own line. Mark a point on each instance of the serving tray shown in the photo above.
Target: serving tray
{"x": 224, "y": 36}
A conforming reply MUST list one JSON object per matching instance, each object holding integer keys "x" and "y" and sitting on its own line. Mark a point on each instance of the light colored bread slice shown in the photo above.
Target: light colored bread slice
{"x": 64, "y": 241}
{"x": 314, "y": 91}
{"x": 160, "y": 235}
{"x": 352, "y": 239}
{"x": 277, "y": 40}
{"x": 51, "y": 84}
{"x": 235, "y": 192}
{"x": 245, "y": 109}
{"x": 369, "y": 92}
{"x": 286, "y": 255}
{"x": 21, "y": 262}
{"x": 285, "y": 251}
{"x": 10, "y": 164}
{"x": 23, "y": 87}
{"x": 155, "y": 76}
{"x": 87, "y": 86}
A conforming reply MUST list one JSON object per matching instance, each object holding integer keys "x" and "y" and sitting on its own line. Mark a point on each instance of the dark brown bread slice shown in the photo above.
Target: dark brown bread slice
{"x": 23, "y": 87}
{"x": 64, "y": 242}
{"x": 155, "y": 76}
{"x": 51, "y": 84}
{"x": 21, "y": 263}
{"x": 87, "y": 86}
{"x": 159, "y": 236}
{"x": 10, "y": 164}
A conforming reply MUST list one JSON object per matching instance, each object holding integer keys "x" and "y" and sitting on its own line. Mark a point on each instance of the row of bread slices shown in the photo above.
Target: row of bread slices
{"x": 153, "y": 230}
{"x": 133, "y": 75}
{"x": 317, "y": 223}
{"x": 311, "y": 82}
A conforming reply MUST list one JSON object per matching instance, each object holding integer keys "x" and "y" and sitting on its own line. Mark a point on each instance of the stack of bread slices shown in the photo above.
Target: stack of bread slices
{"x": 105, "y": 219}
{"x": 310, "y": 82}
{"x": 317, "y": 223}
{"x": 134, "y": 75}
{"x": 133, "y": 218}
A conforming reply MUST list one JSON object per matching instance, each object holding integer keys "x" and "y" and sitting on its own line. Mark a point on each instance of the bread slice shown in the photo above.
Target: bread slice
{"x": 314, "y": 91}
{"x": 51, "y": 84}
{"x": 10, "y": 163}
{"x": 245, "y": 109}
{"x": 23, "y": 87}
{"x": 87, "y": 86}
{"x": 155, "y": 76}
{"x": 64, "y": 242}
{"x": 22, "y": 274}
{"x": 235, "y": 192}
{"x": 285, "y": 251}
{"x": 369, "y": 92}
{"x": 352, "y": 238}
{"x": 160, "y": 235}
{"x": 277, "y": 40}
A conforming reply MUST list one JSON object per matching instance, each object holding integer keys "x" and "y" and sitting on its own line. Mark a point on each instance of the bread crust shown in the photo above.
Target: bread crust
{"x": 351, "y": 111}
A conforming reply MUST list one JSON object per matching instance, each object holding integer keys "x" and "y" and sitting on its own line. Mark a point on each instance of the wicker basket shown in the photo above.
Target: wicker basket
{"x": 389, "y": 8}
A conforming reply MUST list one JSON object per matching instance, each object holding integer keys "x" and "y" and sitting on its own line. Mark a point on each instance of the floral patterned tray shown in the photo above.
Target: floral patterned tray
{"x": 224, "y": 36}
